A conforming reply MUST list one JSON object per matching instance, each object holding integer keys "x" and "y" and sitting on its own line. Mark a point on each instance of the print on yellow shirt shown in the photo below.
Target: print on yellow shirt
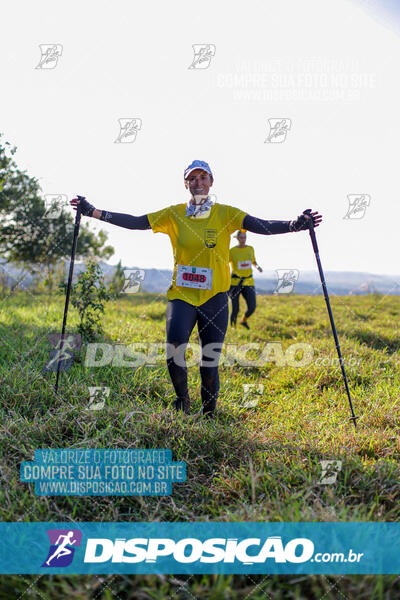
{"x": 241, "y": 260}
{"x": 198, "y": 242}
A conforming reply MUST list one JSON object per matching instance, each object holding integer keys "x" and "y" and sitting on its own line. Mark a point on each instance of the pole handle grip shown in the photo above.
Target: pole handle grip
{"x": 312, "y": 234}
{"x": 78, "y": 208}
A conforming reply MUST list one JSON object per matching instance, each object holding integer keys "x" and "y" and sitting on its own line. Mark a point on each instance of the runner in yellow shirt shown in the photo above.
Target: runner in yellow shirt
{"x": 200, "y": 236}
{"x": 242, "y": 258}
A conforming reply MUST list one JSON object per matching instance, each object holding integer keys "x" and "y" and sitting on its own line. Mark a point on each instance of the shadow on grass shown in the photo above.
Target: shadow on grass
{"x": 375, "y": 340}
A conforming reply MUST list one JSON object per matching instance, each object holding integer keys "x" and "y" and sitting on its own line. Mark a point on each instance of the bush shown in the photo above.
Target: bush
{"x": 88, "y": 295}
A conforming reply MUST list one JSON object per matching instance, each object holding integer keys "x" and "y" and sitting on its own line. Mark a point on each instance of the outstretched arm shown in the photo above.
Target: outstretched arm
{"x": 124, "y": 220}
{"x": 255, "y": 225}
{"x": 120, "y": 219}
{"x": 264, "y": 227}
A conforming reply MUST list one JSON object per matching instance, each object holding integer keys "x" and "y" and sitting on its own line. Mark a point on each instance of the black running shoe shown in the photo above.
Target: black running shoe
{"x": 244, "y": 324}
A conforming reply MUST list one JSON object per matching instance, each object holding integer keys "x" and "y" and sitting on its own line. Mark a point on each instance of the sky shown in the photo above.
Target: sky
{"x": 327, "y": 72}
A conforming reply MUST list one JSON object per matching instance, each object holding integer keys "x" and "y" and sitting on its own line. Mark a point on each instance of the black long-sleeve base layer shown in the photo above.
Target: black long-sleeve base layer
{"x": 124, "y": 220}
{"x": 252, "y": 224}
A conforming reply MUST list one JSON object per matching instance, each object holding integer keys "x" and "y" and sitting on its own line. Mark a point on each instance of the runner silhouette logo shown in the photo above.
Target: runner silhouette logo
{"x": 62, "y": 547}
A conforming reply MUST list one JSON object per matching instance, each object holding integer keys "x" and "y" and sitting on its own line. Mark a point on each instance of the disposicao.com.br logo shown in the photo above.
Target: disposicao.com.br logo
{"x": 161, "y": 552}
{"x": 248, "y": 551}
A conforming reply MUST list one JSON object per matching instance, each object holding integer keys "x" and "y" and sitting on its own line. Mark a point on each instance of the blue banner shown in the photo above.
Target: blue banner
{"x": 160, "y": 547}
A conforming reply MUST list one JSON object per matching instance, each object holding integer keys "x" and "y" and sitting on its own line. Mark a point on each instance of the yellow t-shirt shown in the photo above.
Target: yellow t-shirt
{"x": 241, "y": 260}
{"x": 198, "y": 242}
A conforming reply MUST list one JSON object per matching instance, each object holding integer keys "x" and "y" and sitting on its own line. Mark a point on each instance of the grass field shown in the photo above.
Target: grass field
{"x": 249, "y": 464}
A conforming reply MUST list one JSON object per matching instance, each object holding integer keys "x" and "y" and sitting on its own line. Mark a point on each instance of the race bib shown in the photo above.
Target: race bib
{"x": 194, "y": 277}
{"x": 244, "y": 264}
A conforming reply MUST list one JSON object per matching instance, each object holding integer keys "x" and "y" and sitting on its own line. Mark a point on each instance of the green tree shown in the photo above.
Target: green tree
{"x": 27, "y": 236}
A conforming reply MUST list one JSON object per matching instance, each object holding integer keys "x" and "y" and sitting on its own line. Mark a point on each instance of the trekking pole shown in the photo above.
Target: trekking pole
{"x": 328, "y": 305}
{"x": 71, "y": 270}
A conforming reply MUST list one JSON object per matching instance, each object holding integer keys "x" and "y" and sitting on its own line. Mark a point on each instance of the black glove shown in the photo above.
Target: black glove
{"x": 304, "y": 220}
{"x": 86, "y": 208}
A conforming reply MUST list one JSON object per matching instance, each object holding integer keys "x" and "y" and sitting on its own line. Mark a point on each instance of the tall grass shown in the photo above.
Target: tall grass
{"x": 250, "y": 464}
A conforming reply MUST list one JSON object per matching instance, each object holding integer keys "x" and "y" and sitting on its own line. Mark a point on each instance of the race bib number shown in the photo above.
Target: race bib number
{"x": 244, "y": 264}
{"x": 194, "y": 277}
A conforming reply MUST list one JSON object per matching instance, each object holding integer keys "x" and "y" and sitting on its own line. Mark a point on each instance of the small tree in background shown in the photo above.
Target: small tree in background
{"x": 117, "y": 281}
{"x": 49, "y": 279}
{"x": 88, "y": 295}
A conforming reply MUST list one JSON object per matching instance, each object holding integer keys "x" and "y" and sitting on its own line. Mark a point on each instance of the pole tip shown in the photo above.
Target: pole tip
{"x": 354, "y": 419}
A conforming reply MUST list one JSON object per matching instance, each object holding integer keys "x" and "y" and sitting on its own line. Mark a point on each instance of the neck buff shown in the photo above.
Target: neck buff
{"x": 192, "y": 210}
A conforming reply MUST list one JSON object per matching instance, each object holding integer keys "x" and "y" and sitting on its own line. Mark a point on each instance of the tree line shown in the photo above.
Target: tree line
{"x": 28, "y": 237}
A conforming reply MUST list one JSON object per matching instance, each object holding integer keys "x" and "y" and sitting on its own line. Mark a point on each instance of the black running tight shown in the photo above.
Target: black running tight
{"x": 249, "y": 294}
{"x": 212, "y": 321}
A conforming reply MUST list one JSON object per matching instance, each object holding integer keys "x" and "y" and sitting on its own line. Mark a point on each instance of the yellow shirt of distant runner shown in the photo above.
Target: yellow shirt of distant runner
{"x": 199, "y": 242}
{"x": 241, "y": 260}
